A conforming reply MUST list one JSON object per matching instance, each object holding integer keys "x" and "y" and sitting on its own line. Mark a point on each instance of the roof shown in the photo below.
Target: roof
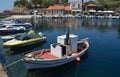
{"x": 91, "y": 5}
{"x": 59, "y": 7}
{"x": 67, "y": 8}
{"x": 7, "y": 10}
{"x": 56, "y": 7}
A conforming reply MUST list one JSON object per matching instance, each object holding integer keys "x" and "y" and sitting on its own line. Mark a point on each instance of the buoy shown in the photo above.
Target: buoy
{"x": 78, "y": 59}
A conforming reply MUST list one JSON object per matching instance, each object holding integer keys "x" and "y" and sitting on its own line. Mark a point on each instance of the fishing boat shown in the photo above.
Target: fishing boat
{"x": 25, "y": 40}
{"x": 66, "y": 50}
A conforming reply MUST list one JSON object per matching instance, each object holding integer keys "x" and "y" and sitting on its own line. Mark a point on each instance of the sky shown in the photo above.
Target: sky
{"x": 8, "y": 4}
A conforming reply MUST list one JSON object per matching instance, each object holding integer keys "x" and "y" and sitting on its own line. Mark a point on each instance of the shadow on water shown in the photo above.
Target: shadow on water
{"x": 2, "y": 58}
{"x": 66, "y": 70}
{"x": 23, "y": 49}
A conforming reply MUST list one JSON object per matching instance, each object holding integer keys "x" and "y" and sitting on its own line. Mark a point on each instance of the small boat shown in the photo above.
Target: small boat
{"x": 25, "y": 40}
{"x": 16, "y": 23}
{"x": 27, "y": 26}
{"x": 66, "y": 50}
{"x": 5, "y": 38}
{"x": 7, "y": 29}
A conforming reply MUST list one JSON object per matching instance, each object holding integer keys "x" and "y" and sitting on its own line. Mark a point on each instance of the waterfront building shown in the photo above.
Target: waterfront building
{"x": 76, "y": 6}
{"x": 55, "y": 10}
{"x": 73, "y": 7}
{"x": 91, "y": 7}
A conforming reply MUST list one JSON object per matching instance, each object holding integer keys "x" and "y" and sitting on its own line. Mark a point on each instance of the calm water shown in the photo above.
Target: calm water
{"x": 101, "y": 60}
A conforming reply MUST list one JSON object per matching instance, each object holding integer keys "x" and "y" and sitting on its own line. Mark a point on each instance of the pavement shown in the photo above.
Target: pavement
{"x": 3, "y": 73}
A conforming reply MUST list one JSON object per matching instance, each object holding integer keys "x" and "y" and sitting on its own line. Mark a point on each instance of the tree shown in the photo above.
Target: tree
{"x": 64, "y": 1}
{"x": 36, "y": 1}
{"x": 109, "y": 3}
{"x": 45, "y": 3}
{"x": 42, "y": 3}
{"x": 16, "y": 2}
{"x": 21, "y": 2}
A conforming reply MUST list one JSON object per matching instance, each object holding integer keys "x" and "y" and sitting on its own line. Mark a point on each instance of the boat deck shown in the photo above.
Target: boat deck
{"x": 45, "y": 55}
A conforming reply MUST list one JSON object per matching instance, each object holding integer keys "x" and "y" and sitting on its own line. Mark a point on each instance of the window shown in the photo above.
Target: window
{"x": 73, "y": 5}
{"x": 78, "y": 5}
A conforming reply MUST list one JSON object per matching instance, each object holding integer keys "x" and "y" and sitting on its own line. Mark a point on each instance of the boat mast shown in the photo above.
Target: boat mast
{"x": 67, "y": 36}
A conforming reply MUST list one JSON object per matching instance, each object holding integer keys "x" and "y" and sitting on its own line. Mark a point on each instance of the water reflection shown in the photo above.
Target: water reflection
{"x": 118, "y": 31}
{"x": 101, "y": 24}
{"x": 75, "y": 24}
{"x": 2, "y": 58}
{"x": 92, "y": 28}
{"x": 67, "y": 70}
{"x": 60, "y": 23}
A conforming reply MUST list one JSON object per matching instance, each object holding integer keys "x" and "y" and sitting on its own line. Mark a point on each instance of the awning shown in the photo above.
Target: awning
{"x": 92, "y": 10}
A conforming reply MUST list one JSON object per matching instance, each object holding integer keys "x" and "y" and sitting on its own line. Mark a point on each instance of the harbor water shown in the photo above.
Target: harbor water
{"x": 101, "y": 59}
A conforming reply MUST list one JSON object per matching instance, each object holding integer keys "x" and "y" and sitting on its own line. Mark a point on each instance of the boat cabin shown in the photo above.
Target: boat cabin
{"x": 61, "y": 49}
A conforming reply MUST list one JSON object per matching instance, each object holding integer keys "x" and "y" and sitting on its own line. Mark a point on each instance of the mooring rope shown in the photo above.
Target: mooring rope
{"x": 12, "y": 63}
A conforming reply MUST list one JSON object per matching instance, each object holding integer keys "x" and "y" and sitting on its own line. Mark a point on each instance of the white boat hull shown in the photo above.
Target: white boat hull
{"x": 34, "y": 64}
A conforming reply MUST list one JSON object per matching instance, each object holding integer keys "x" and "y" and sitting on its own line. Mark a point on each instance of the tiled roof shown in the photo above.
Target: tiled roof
{"x": 59, "y": 7}
{"x": 91, "y": 5}
{"x": 56, "y": 7}
{"x": 7, "y": 10}
{"x": 67, "y": 8}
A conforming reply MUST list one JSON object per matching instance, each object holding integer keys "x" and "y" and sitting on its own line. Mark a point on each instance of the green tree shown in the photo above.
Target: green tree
{"x": 36, "y": 1}
{"x": 52, "y": 2}
{"x": 16, "y": 2}
{"x": 21, "y": 2}
{"x": 42, "y": 3}
{"x": 109, "y": 3}
{"x": 64, "y": 1}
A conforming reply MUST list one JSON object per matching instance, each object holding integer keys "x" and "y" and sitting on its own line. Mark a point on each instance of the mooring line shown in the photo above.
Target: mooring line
{"x": 12, "y": 63}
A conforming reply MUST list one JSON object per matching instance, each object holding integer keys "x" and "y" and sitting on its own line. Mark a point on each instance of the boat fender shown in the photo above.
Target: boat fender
{"x": 69, "y": 53}
{"x": 77, "y": 59}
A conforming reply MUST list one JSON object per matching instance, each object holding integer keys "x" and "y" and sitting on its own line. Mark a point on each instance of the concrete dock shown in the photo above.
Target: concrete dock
{"x": 3, "y": 73}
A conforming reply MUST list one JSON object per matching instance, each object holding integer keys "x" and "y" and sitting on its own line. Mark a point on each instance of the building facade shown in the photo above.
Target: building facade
{"x": 76, "y": 7}
{"x": 55, "y": 10}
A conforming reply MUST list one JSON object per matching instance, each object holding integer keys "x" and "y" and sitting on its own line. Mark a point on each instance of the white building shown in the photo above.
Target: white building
{"x": 76, "y": 6}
